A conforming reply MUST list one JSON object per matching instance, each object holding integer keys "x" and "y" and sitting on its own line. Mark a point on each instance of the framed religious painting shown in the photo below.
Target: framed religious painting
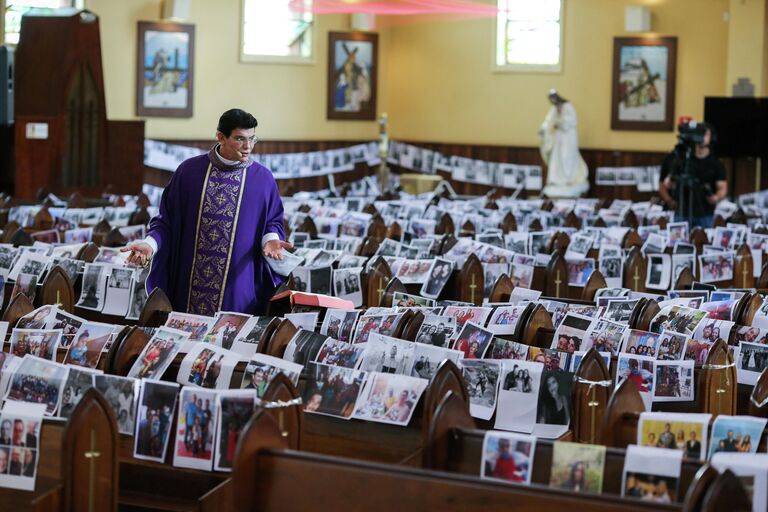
{"x": 352, "y": 71}
{"x": 644, "y": 83}
{"x": 165, "y": 69}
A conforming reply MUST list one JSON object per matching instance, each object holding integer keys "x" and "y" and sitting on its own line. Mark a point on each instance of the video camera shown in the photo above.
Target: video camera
{"x": 690, "y": 132}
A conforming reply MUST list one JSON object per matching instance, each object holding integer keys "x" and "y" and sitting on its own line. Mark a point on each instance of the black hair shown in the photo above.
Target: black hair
{"x": 235, "y": 118}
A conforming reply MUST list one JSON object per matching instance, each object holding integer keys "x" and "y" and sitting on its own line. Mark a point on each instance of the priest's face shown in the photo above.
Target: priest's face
{"x": 238, "y": 145}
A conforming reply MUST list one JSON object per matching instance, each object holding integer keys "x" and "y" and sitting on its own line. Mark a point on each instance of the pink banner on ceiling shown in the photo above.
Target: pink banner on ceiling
{"x": 399, "y": 7}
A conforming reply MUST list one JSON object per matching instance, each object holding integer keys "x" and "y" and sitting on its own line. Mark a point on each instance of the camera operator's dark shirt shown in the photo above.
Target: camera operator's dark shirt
{"x": 706, "y": 173}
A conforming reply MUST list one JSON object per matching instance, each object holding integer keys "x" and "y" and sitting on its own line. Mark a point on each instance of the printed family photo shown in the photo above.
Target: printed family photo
{"x": 686, "y": 432}
{"x": 518, "y": 396}
{"x": 157, "y": 403}
{"x": 195, "y": 428}
{"x": 38, "y": 381}
{"x": 158, "y": 354}
{"x": 508, "y": 457}
{"x": 389, "y": 398}
{"x": 473, "y": 341}
{"x": 332, "y": 390}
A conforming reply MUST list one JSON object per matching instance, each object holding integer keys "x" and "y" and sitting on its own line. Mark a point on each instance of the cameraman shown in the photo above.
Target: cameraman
{"x": 705, "y": 182}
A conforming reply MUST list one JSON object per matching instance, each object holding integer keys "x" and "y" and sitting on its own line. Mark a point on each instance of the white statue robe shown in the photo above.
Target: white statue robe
{"x": 567, "y": 171}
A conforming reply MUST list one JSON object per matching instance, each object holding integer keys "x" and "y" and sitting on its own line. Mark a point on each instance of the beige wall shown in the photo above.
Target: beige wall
{"x": 435, "y": 78}
{"x": 442, "y": 88}
{"x": 287, "y": 99}
{"x": 747, "y": 44}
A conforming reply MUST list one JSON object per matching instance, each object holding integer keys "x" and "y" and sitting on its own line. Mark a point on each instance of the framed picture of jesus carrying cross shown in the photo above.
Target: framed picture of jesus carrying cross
{"x": 352, "y": 71}
{"x": 643, "y": 83}
{"x": 165, "y": 67}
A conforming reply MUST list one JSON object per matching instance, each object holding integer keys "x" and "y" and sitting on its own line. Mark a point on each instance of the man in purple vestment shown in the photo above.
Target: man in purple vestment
{"x": 220, "y": 216}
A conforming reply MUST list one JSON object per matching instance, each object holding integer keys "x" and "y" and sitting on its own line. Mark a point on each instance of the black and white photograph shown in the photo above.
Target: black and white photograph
{"x": 751, "y": 360}
{"x": 436, "y": 330}
{"x": 612, "y": 269}
{"x": 29, "y": 263}
{"x": 121, "y": 394}
{"x": 70, "y": 266}
{"x": 320, "y": 280}
{"x": 156, "y": 407}
{"x": 579, "y": 246}
{"x": 518, "y": 395}
{"x": 427, "y": 358}
{"x": 385, "y": 354}
{"x": 619, "y": 310}
{"x": 439, "y": 272}
{"x": 554, "y": 404}
{"x": 118, "y": 294}
{"x": 78, "y": 382}
{"x": 93, "y": 291}
{"x": 346, "y": 285}
{"x": 19, "y": 447}
{"x": 659, "y": 271}
{"x": 304, "y": 347}
{"x": 138, "y": 295}
{"x": 482, "y": 378}
{"x": 654, "y": 244}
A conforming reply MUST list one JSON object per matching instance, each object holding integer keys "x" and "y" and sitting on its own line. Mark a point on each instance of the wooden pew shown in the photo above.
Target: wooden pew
{"x": 78, "y": 463}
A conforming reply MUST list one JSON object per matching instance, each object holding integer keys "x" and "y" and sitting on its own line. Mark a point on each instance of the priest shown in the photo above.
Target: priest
{"x": 220, "y": 216}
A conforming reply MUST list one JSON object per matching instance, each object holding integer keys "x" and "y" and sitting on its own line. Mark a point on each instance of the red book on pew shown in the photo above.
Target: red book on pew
{"x": 314, "y": 300}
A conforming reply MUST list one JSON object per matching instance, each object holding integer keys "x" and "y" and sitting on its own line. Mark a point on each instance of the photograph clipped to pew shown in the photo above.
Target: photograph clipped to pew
{"x": 674, "y": 381}
{"x": 736, "y": 434}
{"x": 640, "y": 371}
{"x": 207, "y": 366}
{"x": 20, "y": 426}
{"x": 341, "y": 353}
{"x": 196, "y": 325}
{"x": 36, "y": 342}
{"x": 482, "y": 378}
{"x": 473, "y": 341}
{"x": 504, "y": 319}
{"x": 306, "y": 320}
{"x": 687, "y": 432}
{"x": 158, "y": 353}
{"x": 651, "y": 474}
{"x": 508, "y": 457}
{"x": 89, "y": 343}
{"x": 751, "y": 360}
{"x": 750, "y": 470}
{"x": 224, "y": 329}
{"x": 156, "y": 406}
{"x": 261, "y": 369}
{"x": 389, "y": 398}
{"x": 603, "y": 336}
{"x": 332, "y": 390}
{"x": 506, "y": 349}
{"x": 121, "y": 394}
{"x": 518, "y": 397}
{"x": 304, "y": 347}
{"x": 234, "y": 409}
{"x": 195, "y": 429}
{"x": 93, "y": 292}
{"x": 79, "y": 381}
{"x": 339, "y": 324}
{"x": 38, "y": 381}
{"x": 384, "y": 324}
{"x": 577, "y": 467}
{"x": 571, "y": 332}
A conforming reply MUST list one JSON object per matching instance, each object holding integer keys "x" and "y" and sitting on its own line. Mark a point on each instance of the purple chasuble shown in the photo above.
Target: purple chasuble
{"x": 208, "y": 233}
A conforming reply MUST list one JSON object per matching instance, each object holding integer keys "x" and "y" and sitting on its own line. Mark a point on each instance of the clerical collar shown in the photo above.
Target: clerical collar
{"x": 222, "y": 163}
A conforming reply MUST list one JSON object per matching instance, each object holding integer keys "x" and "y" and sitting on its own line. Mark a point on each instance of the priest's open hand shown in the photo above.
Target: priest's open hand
{"x": 273, "y": 248}
{"x": 141, "y": 253}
